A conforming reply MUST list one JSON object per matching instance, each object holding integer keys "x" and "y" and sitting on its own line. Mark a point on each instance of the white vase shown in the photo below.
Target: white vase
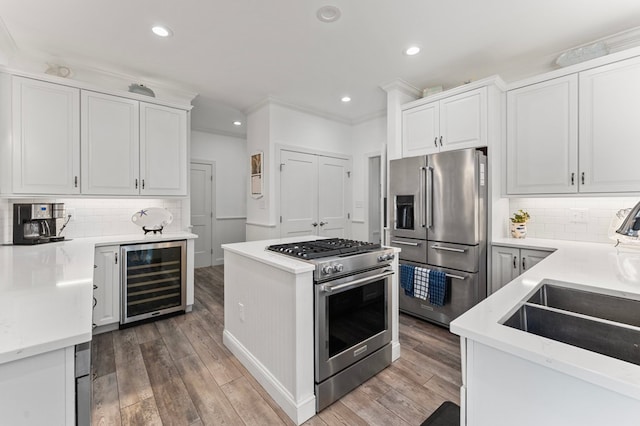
{"x": 518, "y": 230}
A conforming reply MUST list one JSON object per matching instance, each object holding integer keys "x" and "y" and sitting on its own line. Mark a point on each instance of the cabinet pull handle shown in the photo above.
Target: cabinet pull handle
{"x": 457, "y": 277}
{"x": 142, "y": 183}
{"x": 75, "y": 181}
{"x": 323, "y": 223}
{"x": 435, "y": 141}
{"x": 515, "y": 259}
{"x": 523, "y": 265}
{"x": 95, "y": 302}
{"x": 582, "y": 178}
{"x": 93, "y": 327}
{"x": 457, "y": 250}
{"x": 116, "y": 257}
{"x": 440, "y": 140}
{"x": 95, "y": 287}
{"x": 314, "y": 224}
{"x": 136, "y": 183}
{"x": 573, "y": 179}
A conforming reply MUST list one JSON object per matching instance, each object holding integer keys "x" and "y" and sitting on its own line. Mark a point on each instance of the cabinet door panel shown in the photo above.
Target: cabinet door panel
{"x": 106, "y": 279}
{"x": 298, "y": 194}
{"x": 163, "y": 150}
{"x": 463, "y": 120}
{"x": 420, "y": 128}
{"x": 610, "y": 127}
{"x": 542, "y": 137}
{"x": 110, "y": 145}
{"x": 505, "y": 266}
{"x": 530, "y": 258}
{"x": 46, "y": 137}
{"x": 332, "y": 196}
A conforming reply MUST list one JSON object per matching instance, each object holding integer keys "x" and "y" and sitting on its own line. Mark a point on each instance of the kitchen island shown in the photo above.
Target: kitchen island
{"x": 46, "y": 298}
{"x": 269, "y": 321}
{"x": 514, "y": 377}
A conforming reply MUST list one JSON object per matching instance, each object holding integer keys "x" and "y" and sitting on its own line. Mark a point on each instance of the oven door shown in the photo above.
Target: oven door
{"x": 352, "y": 320}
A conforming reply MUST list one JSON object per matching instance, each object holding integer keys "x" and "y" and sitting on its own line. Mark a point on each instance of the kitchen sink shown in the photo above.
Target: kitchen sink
{"x": 608, "y": 325}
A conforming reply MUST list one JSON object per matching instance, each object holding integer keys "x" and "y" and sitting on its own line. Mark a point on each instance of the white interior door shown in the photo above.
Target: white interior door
{"x": 333, "y": 176}
{"x": 202, "y": 212}
{"x": 298, "y": 194}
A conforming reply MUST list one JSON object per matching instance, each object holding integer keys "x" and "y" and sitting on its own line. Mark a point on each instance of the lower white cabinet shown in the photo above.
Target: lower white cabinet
{"x": 509, "y": 262}
{"x": 106, "y": 287}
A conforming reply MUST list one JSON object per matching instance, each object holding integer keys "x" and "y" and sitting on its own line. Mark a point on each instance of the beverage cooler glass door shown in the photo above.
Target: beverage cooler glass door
{"x": 153, "y": 280}
{"x": 407, "y": 183}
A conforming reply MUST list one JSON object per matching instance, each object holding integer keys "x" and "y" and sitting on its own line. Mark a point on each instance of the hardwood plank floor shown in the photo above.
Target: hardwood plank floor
{"x": 177, "y": 371}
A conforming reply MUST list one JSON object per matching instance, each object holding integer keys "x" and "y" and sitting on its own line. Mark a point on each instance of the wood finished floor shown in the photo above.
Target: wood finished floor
{"x": 177, "y": 371}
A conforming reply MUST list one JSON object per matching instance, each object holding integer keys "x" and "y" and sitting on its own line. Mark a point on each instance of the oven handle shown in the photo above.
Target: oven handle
{"x": 331, "y": 288}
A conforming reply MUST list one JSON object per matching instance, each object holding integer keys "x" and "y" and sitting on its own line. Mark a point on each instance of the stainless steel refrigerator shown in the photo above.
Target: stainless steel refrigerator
{"x": 438, "y": 214}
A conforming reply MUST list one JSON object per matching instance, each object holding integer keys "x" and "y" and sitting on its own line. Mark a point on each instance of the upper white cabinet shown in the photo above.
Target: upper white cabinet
{"x": 72, "y": 141}
{"x": 163, "y": 150}
{"x": 542, "y": 135}
{"x": 46, "y": 138}
{"x": 610, "y": 127}
{"x": 576, "y": 134}
{"x": 455, "y": 122}
{"x": 110, "y": 145}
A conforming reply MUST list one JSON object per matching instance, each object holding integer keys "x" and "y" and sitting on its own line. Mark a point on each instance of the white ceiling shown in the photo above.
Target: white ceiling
{"x": 236, "y": 53}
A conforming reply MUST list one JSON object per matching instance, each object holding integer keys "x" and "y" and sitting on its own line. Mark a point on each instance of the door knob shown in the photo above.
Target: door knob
{"x": 323, "y": 223}
{"x": 314, "y": 224}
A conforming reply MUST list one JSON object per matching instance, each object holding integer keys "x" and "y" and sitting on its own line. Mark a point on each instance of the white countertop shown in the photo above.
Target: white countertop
{"x": 46, "y": 293}
{"x": 257, "y": 250}
{"x": 608, "y": 269}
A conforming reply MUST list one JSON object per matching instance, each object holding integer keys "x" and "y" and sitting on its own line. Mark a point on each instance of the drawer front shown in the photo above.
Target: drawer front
{"x": 412, "y": 250}
{"x": 455, "y": 256}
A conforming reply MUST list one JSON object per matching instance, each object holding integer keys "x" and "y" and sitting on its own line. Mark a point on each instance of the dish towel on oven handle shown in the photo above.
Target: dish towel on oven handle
{"x": 421, "y": 283}
{"x": 406, "y": 279}
{"x": 437, "y": 287}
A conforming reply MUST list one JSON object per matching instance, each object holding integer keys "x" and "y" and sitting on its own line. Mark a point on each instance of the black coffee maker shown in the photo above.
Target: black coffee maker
{"x": 34, "y": 224}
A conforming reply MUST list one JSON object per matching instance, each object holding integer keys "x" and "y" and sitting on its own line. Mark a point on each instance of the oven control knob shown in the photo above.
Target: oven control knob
{"x": 338, "y": 267}
{"x": 327, "y": 269}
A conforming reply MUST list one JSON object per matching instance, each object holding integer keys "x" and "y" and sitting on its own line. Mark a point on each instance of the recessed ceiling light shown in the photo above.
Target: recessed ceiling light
{"x": 161, "y": 31}
{"x": 346, "y": 99}
{"x": 328, "y": 14}
{"x": 413, "y": 50}
{"x": 237, "y": 123}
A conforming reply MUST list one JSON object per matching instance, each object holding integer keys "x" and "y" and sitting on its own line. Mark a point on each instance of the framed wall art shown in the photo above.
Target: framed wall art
{"x": 256, "y": 178}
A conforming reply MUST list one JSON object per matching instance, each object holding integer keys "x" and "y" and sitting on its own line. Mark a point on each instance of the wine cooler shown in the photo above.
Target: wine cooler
{"x": 153, "y": 279}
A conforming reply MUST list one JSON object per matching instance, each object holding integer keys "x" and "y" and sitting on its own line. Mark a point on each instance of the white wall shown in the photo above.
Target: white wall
{"x": 554, "y": 217}
{"x": 367, "y": 139}
{"x": 232, "y": 167}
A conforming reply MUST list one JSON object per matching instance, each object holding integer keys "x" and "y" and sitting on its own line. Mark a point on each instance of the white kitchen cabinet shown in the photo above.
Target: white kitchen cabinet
{"x": 106, "y": 282}
{"x": 610, "y": 128}
{"x": 509, "y": 262}
{"x": 577, "y": 133}
{"x": 455, "y": 122}
{"x": 542, "y": 135}
{"x": 163, "y": 150}
{"x": 109, "y": 145}
{"x": 46, "y": 137}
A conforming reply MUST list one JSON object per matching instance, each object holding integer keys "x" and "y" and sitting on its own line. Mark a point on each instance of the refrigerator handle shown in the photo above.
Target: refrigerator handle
{"x": 421, "y": 201}
{"x": 429, "y": 194}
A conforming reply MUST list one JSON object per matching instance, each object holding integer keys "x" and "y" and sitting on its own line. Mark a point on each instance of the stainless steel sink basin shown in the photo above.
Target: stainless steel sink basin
{"x": 608, "y": 325}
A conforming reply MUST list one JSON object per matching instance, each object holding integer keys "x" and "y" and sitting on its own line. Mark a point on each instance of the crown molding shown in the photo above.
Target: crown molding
{"x": 270, "y": 100}
{"x": 369, "y": 117}
{"x": 402, "y": 86}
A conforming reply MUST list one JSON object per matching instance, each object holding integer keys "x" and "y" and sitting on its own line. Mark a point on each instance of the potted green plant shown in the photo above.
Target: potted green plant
{"x": 519, "y": 224}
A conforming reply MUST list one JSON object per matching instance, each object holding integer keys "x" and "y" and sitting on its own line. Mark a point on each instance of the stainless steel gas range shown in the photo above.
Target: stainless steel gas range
{"x": 352, "y": 318}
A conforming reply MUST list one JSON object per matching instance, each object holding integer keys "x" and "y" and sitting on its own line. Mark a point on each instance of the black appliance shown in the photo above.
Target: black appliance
{"x": 352, "y": 311}
{"x": 36, "y": 223}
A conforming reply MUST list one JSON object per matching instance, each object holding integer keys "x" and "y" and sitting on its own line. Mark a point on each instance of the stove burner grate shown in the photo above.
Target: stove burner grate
{"x": 324, "y": 248}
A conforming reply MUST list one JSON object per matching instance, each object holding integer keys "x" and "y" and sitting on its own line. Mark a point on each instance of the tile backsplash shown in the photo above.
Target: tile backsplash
{"x": 94, "y": 217}
{"x": 575, "y": 219}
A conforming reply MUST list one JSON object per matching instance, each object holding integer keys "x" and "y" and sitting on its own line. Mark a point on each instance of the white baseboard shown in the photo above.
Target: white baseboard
{"x": 300, "y": 411}
{"x": 395, "y": 350}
